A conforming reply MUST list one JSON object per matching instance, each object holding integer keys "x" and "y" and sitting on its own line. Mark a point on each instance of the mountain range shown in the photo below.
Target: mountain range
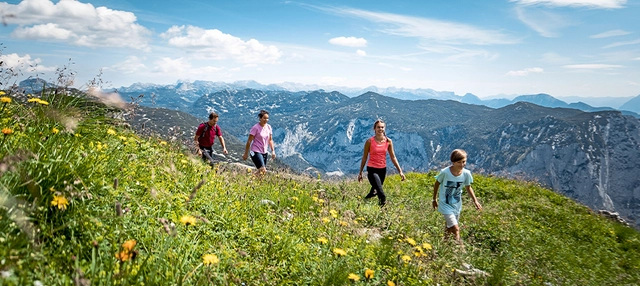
{"x": 592, "y": 157}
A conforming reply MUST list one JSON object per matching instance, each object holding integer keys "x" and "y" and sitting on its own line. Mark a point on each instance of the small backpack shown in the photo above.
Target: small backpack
{"x": 206, "y": 129}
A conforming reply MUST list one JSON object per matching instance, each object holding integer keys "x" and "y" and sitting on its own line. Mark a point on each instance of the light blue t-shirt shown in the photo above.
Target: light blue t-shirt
{"x": 450, "y": 192}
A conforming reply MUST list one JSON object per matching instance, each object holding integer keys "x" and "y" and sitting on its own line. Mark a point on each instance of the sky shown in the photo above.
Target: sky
{"x": 586, "y": 48}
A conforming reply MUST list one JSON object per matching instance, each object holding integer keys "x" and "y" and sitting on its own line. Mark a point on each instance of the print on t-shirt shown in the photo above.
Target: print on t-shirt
{"x": 452, "y": 194}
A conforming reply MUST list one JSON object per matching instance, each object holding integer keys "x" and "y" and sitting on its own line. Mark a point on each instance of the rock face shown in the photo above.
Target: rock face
{"x": 592, "y": 157}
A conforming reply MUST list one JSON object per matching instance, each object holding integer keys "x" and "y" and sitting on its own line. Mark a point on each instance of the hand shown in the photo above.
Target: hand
{"x": 360, "y": 177}
{"x": 402, "y": 176}
{"x": 244, "y": 157}
{"x": 199, "y": 151}
{"x": 224, "y": 151}
{"x": 434, "y": 204}
{"x": 273, "y": 155}
{"x": 478, "y": 206}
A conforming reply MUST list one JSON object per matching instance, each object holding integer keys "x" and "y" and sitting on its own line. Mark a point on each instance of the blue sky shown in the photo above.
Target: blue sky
{"x": 588, "y": 48}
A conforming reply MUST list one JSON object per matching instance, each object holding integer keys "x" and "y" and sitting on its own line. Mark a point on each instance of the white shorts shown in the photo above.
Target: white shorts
{"x": 451, "y": 219}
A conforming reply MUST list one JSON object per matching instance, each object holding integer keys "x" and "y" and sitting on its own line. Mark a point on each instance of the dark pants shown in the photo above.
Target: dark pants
{"x": 376, "y": 179}
{"x": 259, "y": 159}
{"x": 206, "y": 154}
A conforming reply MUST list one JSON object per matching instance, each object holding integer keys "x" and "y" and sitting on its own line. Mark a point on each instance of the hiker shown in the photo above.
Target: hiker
{"x": 259, "y": 136}
{"x": 205, "y": 137}
{"x": 375, "y": 150}
{"x": 447, "y": 193}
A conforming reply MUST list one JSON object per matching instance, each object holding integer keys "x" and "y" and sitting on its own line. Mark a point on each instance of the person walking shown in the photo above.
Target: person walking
{"x": 260, "y": 136}
{"x": 205, "y": 138}
{"x": 375, "y": 157}
{"x": 447, "y": 193}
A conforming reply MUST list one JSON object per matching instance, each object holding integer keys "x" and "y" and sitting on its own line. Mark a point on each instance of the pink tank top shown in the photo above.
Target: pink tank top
{"x": 378, "y": 153}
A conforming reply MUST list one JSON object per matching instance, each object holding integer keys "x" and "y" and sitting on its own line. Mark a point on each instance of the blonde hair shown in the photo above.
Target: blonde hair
{"x": 457, "y": 155}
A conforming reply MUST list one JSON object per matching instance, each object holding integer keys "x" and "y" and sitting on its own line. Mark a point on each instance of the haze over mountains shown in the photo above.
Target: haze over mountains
{"x": 592, "y": 157}
{"x": 625, "y": 104}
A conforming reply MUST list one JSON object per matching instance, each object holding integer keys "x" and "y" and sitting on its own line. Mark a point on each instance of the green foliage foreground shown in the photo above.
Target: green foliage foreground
{"x": 83, "y": 200}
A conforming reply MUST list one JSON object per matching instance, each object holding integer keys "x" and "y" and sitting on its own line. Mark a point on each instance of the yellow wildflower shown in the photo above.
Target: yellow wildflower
{"x": 2, "y": 92}
{"x": 334, "y": 213}
{"x": 406, "y": 258}
{"x": 5, "y": 99}
{"x": 32, "y": 100}
{"x": 344, "y": 223}
{"x": 354, "y": 277}
{"x": 325, "y": 219}
{"x": 60, "y": 201}
{"x": 55, "y": 130}
{"x": 323, "y": 240}
{"x": 188, "y": 220}
{"x": 339, "y": 252}
{"x": 427, "y": 246}
{"x": 43, "y": 102}
{"x": 411, "y": 241}
{"x": 7, "y": 131}
{"x": 129, "y": 245}
{"x": 390, "y": 283}
{"x": 368, "y": 273}
{"x": 209, "y": 259}
{"x": 163, "y": 142}
{"x": 111, "y": 131}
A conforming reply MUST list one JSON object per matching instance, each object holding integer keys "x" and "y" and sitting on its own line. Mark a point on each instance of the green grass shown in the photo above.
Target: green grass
{"x": 71, "y": 148}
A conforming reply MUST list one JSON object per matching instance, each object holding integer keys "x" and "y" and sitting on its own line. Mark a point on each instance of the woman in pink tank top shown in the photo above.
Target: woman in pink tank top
{"x": 375, "y": 150}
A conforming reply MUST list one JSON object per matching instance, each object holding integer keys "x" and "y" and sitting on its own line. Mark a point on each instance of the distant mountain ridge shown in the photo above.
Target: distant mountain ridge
{"x": 630, "y": 107}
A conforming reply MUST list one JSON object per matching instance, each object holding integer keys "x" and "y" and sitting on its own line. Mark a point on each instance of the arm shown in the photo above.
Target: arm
{"x": 246, "y": 147}
{"x": 434, "y": 201}
{"x": 224, "y": 146}
{"x": 273, "y": 149}
{"x": 197, "y": 143}
{"x": 392, "y": 154}
{"x": 473, "y": 196}
{"x": 365, "y": 155}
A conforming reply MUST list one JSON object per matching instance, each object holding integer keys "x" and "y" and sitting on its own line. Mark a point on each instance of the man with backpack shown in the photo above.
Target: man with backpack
{"x": 205, "y": 137}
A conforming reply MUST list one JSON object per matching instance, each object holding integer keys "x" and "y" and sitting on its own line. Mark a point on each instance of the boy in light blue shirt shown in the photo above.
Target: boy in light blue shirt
{"x": 447, "y": 192}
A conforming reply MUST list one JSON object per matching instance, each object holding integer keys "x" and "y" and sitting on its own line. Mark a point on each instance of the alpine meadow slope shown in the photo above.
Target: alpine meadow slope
{"x": 588, "y": 156}
{"x": 85, "y": 200}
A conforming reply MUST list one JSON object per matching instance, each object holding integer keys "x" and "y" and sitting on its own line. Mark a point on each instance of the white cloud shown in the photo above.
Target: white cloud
{"x": 131, "y": 65}
{"x": 24, "y": 63}
{"x": 618, "y": 44}
{"x": 592, "y": 66}
{"x": 604, "y": 4}
{"x": 429, "y": 29}
{"x": 349, "y": 42}
{"x": 612, "y": 33}
{"x": 214, "y": 44}
{"x": 182, "y": 68}
{"x": 544, "y": 22}
{"x": 77, "y": 23}
{"x": 361, "y": 53}
{"x": 525, "y": 72}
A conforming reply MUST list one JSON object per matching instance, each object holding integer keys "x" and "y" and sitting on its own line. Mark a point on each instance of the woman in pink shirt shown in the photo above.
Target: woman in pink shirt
{"x": 375, "y": 149}
{"x": 259, "y": 136}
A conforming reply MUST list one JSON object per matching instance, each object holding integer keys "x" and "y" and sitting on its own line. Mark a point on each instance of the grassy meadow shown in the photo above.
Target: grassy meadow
{"x": 85, "y": 201}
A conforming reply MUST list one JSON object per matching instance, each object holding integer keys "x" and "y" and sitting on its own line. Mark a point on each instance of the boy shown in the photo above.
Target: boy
{"x": 449, "y": 183}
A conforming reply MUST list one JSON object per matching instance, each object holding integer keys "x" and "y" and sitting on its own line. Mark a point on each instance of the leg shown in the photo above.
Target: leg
{"x": 258, "y": 161}
{"x": 206, "y": 154}
{"x": 451, "y": 227}
{"x": 376, "y": 178}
